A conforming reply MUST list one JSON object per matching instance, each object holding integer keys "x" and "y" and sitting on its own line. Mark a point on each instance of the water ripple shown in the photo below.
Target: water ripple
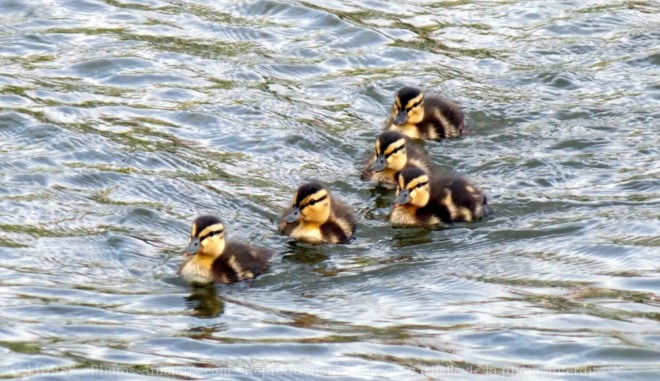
{"x": 120, "y": 121}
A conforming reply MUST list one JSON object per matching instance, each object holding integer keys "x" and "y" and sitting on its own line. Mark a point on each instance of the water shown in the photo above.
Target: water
{"x": 121, "y": 120}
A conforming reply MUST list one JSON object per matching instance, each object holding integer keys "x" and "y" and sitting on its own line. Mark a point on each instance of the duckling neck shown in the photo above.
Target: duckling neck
{"x": 198, "y": 269}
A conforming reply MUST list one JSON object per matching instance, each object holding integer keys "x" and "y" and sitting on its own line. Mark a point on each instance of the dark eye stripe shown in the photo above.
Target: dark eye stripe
{"x": 395, "y": 151}
{"x": 419, "y": 185}
{"x": 211, "y": 234}
{"x": 314, "y": 201}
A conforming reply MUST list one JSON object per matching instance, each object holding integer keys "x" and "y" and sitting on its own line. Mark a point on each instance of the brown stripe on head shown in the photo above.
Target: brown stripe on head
{"x": 314, "y": 189}
{"x": 418, "y": 181}
{"x": 394, "y": 146}
{"x": 407, "y": 94}
{"x": 201, "y": 223}
{"x": 314, "y": 198}
{"x": 218, "y": 228}
{"x": 414, "y": 101}
{"x": 409, "y": 174}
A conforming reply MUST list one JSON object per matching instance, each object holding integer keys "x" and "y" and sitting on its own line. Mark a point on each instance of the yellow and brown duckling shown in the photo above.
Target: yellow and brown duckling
{"x": 425, "y": 117}
{"x": 424, "y": 199}
{"x": 394, "y": 152}
{"x": 211, "y": 258}
{"x": 317, "y": 217}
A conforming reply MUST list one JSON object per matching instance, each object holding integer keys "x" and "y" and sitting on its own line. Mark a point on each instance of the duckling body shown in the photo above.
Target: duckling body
{"x": 425, "y": 117}
{"x": 424, "y": 199}
{"x": 393, "y": 153}
{"x": 317, "y": 217}
{"x": 211, "y": 258}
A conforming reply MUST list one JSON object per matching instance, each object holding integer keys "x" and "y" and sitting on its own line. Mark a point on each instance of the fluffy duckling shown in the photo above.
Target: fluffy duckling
{"x": 317, "y": 217}
{"x": 428, "y": 200}
{"x": 393, "y": 153}
{"x": 420, "y": 117}
{"x": 211, "y": 258}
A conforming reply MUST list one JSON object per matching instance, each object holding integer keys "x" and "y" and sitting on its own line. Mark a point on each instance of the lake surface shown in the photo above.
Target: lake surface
{"x": 122, "y": 120}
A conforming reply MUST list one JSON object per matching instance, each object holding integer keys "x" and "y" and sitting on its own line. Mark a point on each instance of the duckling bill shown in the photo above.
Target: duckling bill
{"x": 317, "y": 217}
{"x": 425, "y": 117}
{"x": 424, "y": 199}
{"x": 394, "y": 152}
{"x": 210, "y": 258}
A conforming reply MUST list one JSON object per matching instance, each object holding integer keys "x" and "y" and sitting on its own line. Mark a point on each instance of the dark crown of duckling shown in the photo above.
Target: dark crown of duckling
{"x": 393, "y": 153}
{"x": 424, "y": 199}
{"x": 316, "y": 217}
{"x": 211, "y": 258}
{"x": 425, "y": 117}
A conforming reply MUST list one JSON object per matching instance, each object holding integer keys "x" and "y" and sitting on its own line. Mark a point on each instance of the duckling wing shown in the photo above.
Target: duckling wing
{"x": 344, "y": 220}
{"x": 417, "y": 157}
{"x": 445, "y": 116}
{"x": 457, "y": 199}
{"x": 240, "y": 261}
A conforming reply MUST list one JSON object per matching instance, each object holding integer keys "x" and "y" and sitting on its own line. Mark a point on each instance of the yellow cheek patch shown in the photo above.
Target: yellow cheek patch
{"x": 377, "y": 146}
{"x": 193, "y": 233}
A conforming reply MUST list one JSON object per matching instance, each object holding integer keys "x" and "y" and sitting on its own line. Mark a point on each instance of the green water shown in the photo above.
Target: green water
{"x": 121, "y": 120}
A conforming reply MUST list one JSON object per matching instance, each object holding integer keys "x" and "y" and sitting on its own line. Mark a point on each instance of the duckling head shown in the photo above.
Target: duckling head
{"x": 408, "y": 107}
{"x": 311, "y": 204}
{"x": 412, "y": 188}
{"x": 390, "y": 152}
{"x": 207, "y": 238}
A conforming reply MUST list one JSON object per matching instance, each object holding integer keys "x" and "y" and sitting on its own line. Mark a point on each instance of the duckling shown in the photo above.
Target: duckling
{"x": 213, "y": 259}
{"x": 420, "y": 117}
{"x": 424, "y": 199}
{"x": 393, "y": 153}
{"x": 317, "y": 217}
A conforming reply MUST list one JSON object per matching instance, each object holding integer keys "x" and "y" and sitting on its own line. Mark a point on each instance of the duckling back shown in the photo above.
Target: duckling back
{"x": 424, "y": 199}
{"x": 455, "y": 198}
{"x": 443, "y": 119}
{"x": 239, "y": 262}
{"x": 425, "y": 117}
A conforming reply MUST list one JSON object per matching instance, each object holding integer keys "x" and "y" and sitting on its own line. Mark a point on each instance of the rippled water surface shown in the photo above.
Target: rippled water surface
{"x": 121, "y": 120}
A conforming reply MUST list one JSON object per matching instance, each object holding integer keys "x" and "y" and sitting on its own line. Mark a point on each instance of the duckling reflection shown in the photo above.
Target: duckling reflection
{"x": 205, "y": 302}
{"x": 425, "y": 117}
{"x": 304, "y": 253}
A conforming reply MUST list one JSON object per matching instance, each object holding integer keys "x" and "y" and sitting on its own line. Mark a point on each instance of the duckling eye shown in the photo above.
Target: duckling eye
{"x": 395, "y": 150}
{"x": 312, "y": 203}
{"x": 420, "y": 185}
